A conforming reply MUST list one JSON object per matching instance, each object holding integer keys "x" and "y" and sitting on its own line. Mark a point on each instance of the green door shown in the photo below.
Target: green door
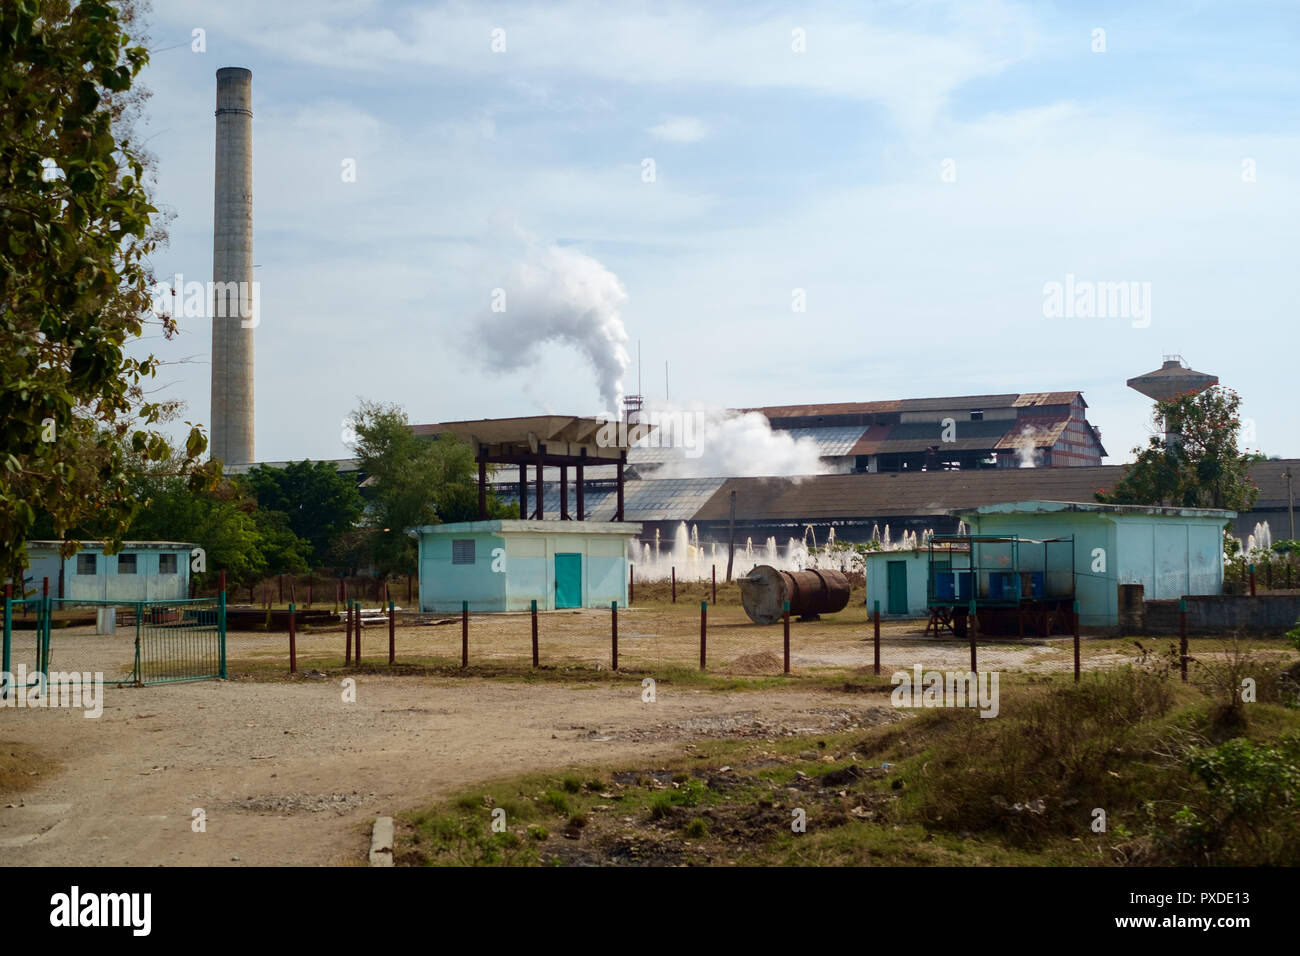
{"x": 568, "y": 580}
{"x": 896, "y": 572}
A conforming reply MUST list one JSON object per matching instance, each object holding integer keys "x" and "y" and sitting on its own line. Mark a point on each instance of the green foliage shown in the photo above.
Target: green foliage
{"x": 320, "y": 505}
{"x": 412, "y": 481}
{"x": 76, "y": 230}
{"x": 244, "y": 541}
{"x": 1248, "y": 810}
{"x": 1204, "y": 469}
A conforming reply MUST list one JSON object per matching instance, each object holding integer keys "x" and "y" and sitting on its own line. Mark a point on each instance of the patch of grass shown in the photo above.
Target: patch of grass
{"x": 557, "y": 801}
{"x": 697, "y": 828}
{"x": 571, "y": 784}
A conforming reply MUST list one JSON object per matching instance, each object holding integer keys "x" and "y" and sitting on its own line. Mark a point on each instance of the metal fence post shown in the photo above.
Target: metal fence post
{"x": 8, "y": 632}
{"x": 613, "y": 632}
{"x": 464, "y": 633}
{"x": 971, "y": 622}
{"x": 221, "y": 623}
{"x": 704, "y": 629}
{"x": 1182, "y": 637}
{"x": 139, "y": 637}
{"x": 785, "y": 621}
{"x": 875, "y": 618}
{"x": 534, "y": 609}
{"x": 293, "y": 641}
{"x": 392, "y": 634}
{"x": 356, "y": 613}
{"x": 1076, "y": 642}
{"x": 347, "y": 647}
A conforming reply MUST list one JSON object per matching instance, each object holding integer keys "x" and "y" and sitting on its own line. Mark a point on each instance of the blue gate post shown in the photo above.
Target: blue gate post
{"x": 139, "y": 626}
{"x": 221, "y": 624}
{"x": 8, "y": 636}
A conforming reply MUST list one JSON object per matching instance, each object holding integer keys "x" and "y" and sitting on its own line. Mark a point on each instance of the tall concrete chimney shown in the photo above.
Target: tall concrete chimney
{"x": 232, "y": 262}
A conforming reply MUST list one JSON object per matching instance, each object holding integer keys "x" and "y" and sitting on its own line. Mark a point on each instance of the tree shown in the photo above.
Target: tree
{"x": 1201, "y": 468}
{"x": 75, "y": 285}
{"x": 411, "y": 481}
{"x": 319, "y": 503}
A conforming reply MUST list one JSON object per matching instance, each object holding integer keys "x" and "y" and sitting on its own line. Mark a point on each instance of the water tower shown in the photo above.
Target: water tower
{"x": 1172, "y": 380}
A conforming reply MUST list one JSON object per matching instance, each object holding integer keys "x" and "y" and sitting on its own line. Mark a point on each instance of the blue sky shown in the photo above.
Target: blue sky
{"x": 775, "y": 170}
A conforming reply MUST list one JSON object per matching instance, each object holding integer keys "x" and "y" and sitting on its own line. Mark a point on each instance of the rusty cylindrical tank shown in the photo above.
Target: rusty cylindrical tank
{"x": 810, "y": 593}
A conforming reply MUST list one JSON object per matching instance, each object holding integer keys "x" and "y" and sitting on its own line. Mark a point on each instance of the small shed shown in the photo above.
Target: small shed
{"x": 897, "y": 579}
{"x": 140, "y": 571}
{"x": 1172, "y": 552}
{"x": 504, "y": 565}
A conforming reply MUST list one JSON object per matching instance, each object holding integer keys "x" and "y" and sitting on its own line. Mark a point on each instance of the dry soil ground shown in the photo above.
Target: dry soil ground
{"x": 287, "y": 772}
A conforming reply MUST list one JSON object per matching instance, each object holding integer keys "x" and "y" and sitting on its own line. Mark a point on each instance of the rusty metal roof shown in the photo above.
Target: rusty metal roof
{"x": 1003, "y": 400}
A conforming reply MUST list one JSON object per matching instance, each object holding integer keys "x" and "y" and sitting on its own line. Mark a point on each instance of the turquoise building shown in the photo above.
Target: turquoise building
{"x": 505, "y": 565}
{"x": 1171, "y": 552}
{"x": 141, "y": 571}
{"x": 1090, "y": 550}
{"x": 898, "y": 579}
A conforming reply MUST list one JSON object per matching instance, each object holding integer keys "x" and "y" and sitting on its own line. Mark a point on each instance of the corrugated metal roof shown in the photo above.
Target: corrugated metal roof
{"x": 1030, "y": 399}
{"x": 937, "y": 492}
{"x": 1001, "y": 400}
{"x": 901, "y": 493}
{"x": 662, "y": 499}
{"x": 1042, "y": 432}
{"x": 832, "y": 440}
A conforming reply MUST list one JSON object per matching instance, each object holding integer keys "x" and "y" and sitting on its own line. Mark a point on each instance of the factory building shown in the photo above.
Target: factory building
{"x": 1042, "y": 429}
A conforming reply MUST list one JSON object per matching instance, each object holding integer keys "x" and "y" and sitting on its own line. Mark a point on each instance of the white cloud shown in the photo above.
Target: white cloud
{"x": 680, "y": 129}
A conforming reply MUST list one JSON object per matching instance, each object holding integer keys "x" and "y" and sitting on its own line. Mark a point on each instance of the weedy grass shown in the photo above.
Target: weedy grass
{"x": 1175, "y": 782}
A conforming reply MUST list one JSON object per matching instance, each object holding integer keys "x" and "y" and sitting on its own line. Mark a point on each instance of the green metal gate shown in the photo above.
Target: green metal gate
{"x": 173, "y": 640}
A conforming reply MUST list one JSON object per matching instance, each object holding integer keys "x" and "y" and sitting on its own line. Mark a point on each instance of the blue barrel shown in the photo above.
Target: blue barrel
{"x": 943, "y": 586}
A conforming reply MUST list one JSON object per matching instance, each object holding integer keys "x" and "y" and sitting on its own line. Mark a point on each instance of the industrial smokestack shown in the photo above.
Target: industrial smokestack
{"x": 233, "y": 315}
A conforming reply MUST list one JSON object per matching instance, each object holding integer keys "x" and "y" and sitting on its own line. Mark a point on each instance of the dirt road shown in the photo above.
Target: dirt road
{"x": 291, "y": 774}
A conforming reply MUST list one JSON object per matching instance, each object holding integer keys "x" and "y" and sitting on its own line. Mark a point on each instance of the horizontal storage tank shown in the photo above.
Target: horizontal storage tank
{"x": 810, "y": 593}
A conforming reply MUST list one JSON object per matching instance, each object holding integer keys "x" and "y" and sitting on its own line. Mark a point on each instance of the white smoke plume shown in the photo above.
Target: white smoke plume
{"x": 554, "y": 294}
{"x": 1027, "y": 440}
{"x": 717, "y": 442}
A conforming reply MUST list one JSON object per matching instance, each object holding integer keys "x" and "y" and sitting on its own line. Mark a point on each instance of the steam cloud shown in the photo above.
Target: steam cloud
{"x": 719, "y": 442}
{"x": 553, "y": 294}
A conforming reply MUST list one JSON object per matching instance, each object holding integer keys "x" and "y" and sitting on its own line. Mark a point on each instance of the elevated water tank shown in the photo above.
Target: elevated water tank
{"x": 1171, "y": 380}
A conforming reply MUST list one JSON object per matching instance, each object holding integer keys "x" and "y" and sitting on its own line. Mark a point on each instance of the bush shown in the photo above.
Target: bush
{"x": 1043, "y": 763}
{"x": 1248, "y": 811}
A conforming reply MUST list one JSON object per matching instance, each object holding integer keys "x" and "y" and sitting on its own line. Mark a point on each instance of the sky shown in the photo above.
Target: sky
{"x": 785, "y": 204}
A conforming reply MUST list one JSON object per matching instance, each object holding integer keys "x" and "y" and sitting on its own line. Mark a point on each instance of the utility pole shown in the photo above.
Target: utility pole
{"x": 731, "y": 537}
